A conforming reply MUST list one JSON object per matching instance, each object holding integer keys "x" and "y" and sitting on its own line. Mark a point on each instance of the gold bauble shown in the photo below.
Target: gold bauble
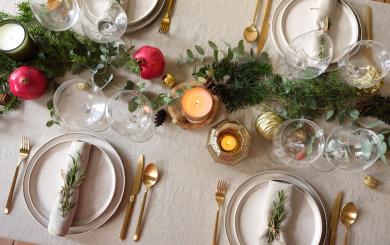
{"x": 267, "y": 123}
{"x": 373, "y": 89}
{"x": 168, "y": 80}
{"x": 370, "y": 182}
{"x": 3, "y": 99}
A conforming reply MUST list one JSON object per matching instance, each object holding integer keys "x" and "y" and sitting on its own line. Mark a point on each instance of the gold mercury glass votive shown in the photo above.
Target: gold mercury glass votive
{"x": 228, "y": 130}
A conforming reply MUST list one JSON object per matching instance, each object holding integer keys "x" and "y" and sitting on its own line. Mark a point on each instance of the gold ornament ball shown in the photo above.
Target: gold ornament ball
{"x": 267, "y": 123}
{"x": 168, "y": 80}
{"x": 3, "y": 99}
{"x": 370, "y": 182}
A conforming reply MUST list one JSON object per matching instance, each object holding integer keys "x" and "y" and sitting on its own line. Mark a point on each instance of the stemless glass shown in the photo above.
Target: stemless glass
{"x": 297, "y": 143}
{"x": 103, "y": 21}
{"x": 130, "y": 113}
{"x": 80, "y": 105}
{"x": 56, "y": 15}
{"x": 308, "y": 55}
{"x": 352, "y": 149}
{"x": 364, "y": 63}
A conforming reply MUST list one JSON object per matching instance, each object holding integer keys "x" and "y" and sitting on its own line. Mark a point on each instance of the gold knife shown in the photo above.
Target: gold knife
{"x": 334, "y": 218}
{"x": 264, "y": 26}
{"x": 133, "y": 196}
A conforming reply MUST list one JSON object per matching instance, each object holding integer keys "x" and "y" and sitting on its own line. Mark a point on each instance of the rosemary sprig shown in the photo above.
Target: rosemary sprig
{"x": 72, "y": 180}
{"x": 276, "y": 218}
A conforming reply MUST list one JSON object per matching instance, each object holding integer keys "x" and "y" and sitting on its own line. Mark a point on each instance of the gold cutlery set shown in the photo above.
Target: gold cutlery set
{"x": 347, "y": 215}
{"x": 166, "y": 21}
{"x": 23, "y": 154}
{"x": 251, "y": 34}
{"x": 148, "y": 177}
{"x": 219, "y": 198}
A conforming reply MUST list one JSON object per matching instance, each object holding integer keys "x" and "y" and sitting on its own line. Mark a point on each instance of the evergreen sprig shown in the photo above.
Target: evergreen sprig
{"x": 276, "y": 218}
{"x": 72, "y": 180}
{"x": 376, "y": 106}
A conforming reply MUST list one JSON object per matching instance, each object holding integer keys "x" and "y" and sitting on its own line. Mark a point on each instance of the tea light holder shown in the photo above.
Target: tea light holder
{"x": 15, "y": 42}
{"x": 228, "y": 142}
{"x": 175, "y": 109}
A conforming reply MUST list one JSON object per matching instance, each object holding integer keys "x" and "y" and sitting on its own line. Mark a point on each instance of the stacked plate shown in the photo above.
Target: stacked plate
{"x": 100, "y": 193}
{"x": 142, "y": 13}
{"x": 308, "y": 222}
{"x": 295, "y": 17}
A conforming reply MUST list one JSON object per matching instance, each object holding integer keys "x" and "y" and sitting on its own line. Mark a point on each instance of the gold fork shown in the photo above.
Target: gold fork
{"x": 166, "y": 21}
{"x": 220, "y": 198}
{"x": 23, "y": 153}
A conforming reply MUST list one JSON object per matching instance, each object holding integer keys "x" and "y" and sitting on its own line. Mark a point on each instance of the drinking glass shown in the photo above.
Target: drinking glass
{"x": 56, "y": 15}
{"x": 308, "y": 55}
{"x": 80, "y": 105}
{"x": 103, "y": 21}
{"x": 297, "y": 143}
{"x": 130, "y": 113}
{"x": 364, "y": 63}
{"x": 352, "y": 149}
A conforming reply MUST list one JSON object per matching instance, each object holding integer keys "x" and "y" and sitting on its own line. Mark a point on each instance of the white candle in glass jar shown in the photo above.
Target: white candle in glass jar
{"x": 11, "y": 36}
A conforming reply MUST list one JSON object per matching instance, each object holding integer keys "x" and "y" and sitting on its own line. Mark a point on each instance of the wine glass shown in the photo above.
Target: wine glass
{"x": 80, "y": 105}
{"x": 103, "y": 21}
{"x": 297, "y": 143}
{"x": 364, "y": 63}
{"x": 56, "y": 15}
{"x": 130, "y": 113}
{"x": 352, "y": 149}
{"x": 307, "y": 56}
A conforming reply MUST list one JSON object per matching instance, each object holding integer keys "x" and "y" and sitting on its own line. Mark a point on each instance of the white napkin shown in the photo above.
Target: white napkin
{"x": 59, "y": 225}
{"x": 325, "y": 8}
{"x": 272, "y": 195}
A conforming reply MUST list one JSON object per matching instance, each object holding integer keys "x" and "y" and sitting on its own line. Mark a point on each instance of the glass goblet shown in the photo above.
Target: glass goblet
{"x": 103, "y": 21}
{"x": 308, "y": 55}
{"x": 364, "y": 63}
{"x": 56, "y": 15}
{"x": 352, "y": 149}
{"x": 130, "y": 113}
{"x": 79, "y": 105}
{"x": 297, "y": 143}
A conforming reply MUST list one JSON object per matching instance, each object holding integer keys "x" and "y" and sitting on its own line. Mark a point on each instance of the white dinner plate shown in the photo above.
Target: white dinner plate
{"x": 100, "y": 192}
{"x": 307, "y": 225}
{"x": 148, "y": 19}
{"x": 138, "y": 10}
{"x": 295, "y": 17}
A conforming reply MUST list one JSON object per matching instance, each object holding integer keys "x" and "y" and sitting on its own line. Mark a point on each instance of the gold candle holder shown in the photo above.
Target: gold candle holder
{"x": 236, "y": 149}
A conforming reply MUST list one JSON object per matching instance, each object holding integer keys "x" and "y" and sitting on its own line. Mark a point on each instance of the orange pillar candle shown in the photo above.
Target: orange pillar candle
{"x": 196, "y": 104}
{"x": 228, "y": 142}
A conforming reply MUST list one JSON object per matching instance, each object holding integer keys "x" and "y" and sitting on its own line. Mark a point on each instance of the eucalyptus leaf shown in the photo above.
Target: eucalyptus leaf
{"x": 50, "y": 123}
{"x": 241, "y": 48}
{"x": 353, "y": 114}
{"x": 229, "y": 55}
{"x": 329, "y": 115}
{"x": 213, "y": 46}
{"x": 104, "y": 49}
{"x": 189, "y": 53}
{"x": 199, "y": 49}
{"x": 121, "y": 58}
{"x": 133, "y": 105}
{"x": 50, "y": 104}
{"x": 215, "y": 54}
{"x": 180, "y": 92}
{"x": 375, "y": 124}
{"x": 133, "y": 65}
{"x": 103, "y": 58}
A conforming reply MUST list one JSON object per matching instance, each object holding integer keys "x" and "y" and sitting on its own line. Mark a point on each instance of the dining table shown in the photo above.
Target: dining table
{"x": 182, "y": 206}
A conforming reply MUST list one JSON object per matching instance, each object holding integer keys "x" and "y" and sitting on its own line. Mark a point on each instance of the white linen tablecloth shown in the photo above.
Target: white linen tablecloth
{"x": 182, "y": 208}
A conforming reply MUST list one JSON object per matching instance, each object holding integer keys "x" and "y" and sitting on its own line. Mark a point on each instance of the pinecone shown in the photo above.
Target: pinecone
{"x": 160, "y": 117}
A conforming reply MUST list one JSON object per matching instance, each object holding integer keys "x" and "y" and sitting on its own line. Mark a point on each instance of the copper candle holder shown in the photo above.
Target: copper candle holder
{"x": 235, "y": 129}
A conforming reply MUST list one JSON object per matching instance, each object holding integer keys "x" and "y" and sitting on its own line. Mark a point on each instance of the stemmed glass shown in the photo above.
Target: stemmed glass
{"x": 130, "y": 113}
{"x": 352, "y": 149}
{"x": 297, "y": 143}
{"x": 103, "y": 21}
{"x": 364, "y": 63}
{"x": 307, "y": 56}
{"x": 56, "y": 15}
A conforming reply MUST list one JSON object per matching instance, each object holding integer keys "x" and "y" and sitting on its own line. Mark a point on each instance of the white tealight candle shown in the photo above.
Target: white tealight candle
{"x": 11, "y": 36}
{"x": 15, "y": 42}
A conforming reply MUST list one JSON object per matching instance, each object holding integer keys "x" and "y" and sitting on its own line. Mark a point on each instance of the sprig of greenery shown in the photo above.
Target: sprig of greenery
{"x": 277, "y": 216}
{"x": 53, "y": 119}
{"x": 72, "y": 180}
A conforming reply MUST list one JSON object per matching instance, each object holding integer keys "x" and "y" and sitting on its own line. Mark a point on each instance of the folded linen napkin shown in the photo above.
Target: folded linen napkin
{"x": 275, "y": 188}
{"x": 325, "y": 10}
{"x": 64, "y": 209}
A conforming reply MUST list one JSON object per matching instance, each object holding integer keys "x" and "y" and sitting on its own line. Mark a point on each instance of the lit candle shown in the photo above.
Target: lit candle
{"x": 15, "y": 42}
{"x": 196, "y": 104}
{"x": 228, "y": 142}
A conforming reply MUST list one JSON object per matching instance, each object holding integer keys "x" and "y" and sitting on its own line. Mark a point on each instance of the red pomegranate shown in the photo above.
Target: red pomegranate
{"x": 151, "y": 62}
{"x": 27, "y": 83}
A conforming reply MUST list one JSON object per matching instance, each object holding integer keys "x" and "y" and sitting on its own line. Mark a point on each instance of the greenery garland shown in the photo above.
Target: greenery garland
{"x": 59, "y": 52}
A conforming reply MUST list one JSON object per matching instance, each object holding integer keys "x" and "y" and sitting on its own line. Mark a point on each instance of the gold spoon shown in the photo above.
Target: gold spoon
{"x": 348, "y": 216}
{"x": 149, "y": 178}
{"x": 250, "y": 32}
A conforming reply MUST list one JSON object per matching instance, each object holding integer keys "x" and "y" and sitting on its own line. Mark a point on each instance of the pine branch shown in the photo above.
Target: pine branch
{"x": 276, "y": 218}
{"x": 376, "y": 106}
